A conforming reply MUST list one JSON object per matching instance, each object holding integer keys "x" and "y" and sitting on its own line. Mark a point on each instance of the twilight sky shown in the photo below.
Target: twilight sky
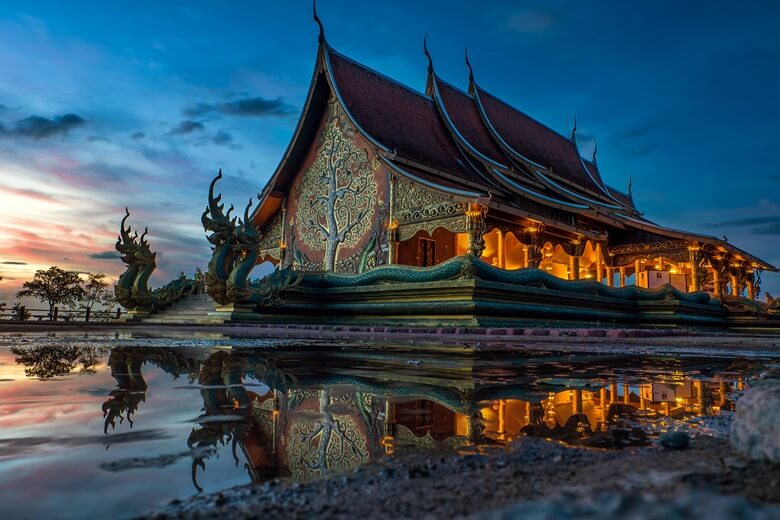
{"x": 108, "y": 104}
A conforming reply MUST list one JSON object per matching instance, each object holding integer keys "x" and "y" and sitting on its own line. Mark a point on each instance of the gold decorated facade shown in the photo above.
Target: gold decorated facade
{"x": 378, "y": 174}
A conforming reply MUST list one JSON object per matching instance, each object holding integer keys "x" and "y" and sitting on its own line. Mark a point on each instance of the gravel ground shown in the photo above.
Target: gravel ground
{"x": 535, "y": 478}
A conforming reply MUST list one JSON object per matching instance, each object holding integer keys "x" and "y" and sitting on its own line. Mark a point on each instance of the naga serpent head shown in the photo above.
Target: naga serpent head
{"x": 214, "y": 219}
{"x": 126, "y": 245}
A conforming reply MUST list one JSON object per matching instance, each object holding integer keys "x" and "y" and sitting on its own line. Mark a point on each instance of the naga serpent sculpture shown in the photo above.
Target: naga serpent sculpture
{"x": 469, "y": 266}
{"x": 220, "y": 228}
{"x": 235, "y": 243}
{"x": 127, "y": 246}
{"x": 132, "y": 290}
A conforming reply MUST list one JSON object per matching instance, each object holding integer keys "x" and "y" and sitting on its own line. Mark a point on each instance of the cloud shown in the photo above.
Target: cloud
{"x": 186, "y": 127}
{"x": 138, "y": 135}
{"x": 13, "y": 263}
{"x": 533, "y": 20}
{"x": 222, "y": 138}
{"x": 636, "y": 131}
{"x": 29, "y": 193}
{"x": 642, "y": 150}
{"x": 758, "y": 225}
{"x": 104, "y": 255}
{"x": 250, "y": 107}
{"x": 38, "y": 127}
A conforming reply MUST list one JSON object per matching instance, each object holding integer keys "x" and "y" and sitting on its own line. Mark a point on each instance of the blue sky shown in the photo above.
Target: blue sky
{"x": 107, "y": 104}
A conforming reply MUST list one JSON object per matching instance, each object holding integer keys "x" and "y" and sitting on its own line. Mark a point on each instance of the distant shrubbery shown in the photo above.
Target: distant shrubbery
{"x": 69, "y": 295}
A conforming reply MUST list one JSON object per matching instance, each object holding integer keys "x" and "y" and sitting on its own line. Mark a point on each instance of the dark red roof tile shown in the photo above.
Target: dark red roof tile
{"x": 536, "y": 142}
{"x": 398, "y": 117}
{"x": 464, "y": 114}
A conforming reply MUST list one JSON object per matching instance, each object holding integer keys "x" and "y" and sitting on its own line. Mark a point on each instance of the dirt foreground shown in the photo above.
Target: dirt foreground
{"x": 535, "y": 478}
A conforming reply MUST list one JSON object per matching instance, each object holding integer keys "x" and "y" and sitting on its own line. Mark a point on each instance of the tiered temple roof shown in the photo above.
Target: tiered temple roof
{"x": 474, "y": 146}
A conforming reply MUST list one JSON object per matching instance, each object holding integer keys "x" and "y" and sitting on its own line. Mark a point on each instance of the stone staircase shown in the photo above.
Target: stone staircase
{"x": 192, "y": 309}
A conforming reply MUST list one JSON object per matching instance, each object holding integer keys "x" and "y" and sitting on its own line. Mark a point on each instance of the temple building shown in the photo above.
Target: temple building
{"x": 379, "y": 173}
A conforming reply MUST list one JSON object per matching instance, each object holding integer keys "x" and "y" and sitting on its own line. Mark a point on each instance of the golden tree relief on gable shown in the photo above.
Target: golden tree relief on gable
{"x": 337, "y": 200}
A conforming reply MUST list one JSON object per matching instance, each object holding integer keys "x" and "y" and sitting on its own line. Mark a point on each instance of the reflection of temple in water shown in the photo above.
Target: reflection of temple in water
{"x": 299, "y": 415}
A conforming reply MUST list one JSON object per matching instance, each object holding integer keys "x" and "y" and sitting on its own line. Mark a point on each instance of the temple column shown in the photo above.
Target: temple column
{"x": 699, "y": 385}
{"x": 392, "y": 226}
{"x": 622, "y": 276}
{"x": 613, "y": 392}
{"x": 611, "y": 276}
{"x": 525, "y": 257}
{"x": 283, "y": 238}
{"x": 637, "y": 269}
{"x": 734, "y": 280}
{"x": 599, "y": 264}
{"x": 392, "y": 243}
{"x": 475, "y": 220}
{"x": 626, "y": 394}
{"x": 501, "y": 418}
{"x": 716, "y": 283}
{"x": 577, "y": 401}
{"x": 751, "y": 285}
{"x": 574, "y": 267}
{"x": 693, "y": 255}
{"x": 501, "y": 250}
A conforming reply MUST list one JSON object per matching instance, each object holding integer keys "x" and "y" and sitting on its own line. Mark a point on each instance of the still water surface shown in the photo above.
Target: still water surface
{"x": 106, "y": 429}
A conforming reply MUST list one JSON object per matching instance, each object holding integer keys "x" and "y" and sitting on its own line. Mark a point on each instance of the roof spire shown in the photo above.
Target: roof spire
{"x": 321, "y": 37}
{"x": 468, "y": 64}
{"x": 574, "y": 129}
{"x": 427, "y": 54}
{"x": 595, "y": 149}
{"x": 630, "y": 183}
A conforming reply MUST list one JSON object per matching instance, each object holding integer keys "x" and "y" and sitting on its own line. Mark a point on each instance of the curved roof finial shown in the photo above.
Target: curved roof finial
{"x": 595, "y": 149}
{"x": 468, "y": 64}
{"x": 321, "y": 37}
{"x": 427, "y": 54}
{"x": 630, "y": 183}
{"x": 574, "y": 129}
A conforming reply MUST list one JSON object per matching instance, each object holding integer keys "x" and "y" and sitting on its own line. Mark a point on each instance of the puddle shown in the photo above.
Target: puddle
{"x": 98, "y": 424}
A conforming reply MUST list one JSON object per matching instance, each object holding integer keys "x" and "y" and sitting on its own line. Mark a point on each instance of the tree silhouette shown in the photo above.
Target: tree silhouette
{"x": 45, "y": 362}
{"x": 54, "y": 286}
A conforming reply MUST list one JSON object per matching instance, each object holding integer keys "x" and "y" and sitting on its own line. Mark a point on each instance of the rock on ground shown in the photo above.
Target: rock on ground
{"x": 444, "y": 485}
{"x": 612, "y": 506}
{"x": 755, "y": 431}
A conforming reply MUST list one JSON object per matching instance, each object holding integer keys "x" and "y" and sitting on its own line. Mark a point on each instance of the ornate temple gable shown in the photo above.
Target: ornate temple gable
{"x": 337, "y": 202}
{"x": 417, "y": 208}
{"x": 272, "y": 240}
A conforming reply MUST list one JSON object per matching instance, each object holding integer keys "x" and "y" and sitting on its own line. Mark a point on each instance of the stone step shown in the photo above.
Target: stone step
{"x": 192, "y": 309}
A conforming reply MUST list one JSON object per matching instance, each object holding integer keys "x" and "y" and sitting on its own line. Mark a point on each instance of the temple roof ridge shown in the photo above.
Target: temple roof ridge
{"x": 522, "y": 112}
{"x": 372, "y": 70}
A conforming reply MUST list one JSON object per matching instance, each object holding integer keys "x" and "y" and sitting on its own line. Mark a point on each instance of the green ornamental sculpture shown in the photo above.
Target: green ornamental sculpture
{"x": 132, "y": 289}
{"x": 235, "y": 243}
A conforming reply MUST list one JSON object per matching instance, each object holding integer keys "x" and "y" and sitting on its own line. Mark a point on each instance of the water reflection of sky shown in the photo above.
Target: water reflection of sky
{"x": 306, "y": 413}
{"x": 52, "y": 445}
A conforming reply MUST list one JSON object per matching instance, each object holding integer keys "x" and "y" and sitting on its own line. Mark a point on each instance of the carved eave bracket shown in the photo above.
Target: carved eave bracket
{"x": 626, "y": 254}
